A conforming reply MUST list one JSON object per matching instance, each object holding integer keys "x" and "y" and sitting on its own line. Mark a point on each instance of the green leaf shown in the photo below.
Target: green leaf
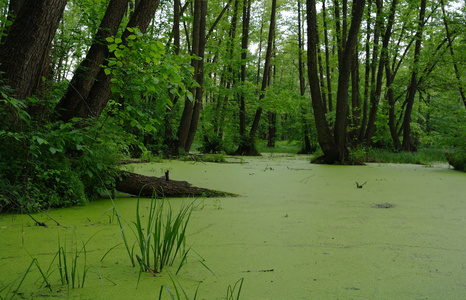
{"x": 53, "y": 150}
{"x": 110, "y": 39}
{"x": 107, "y": 71}
{"x": 149, "y": 127}
{"x": 41, "y": 141}
{"x": 118, "y": 41}
{"x": 112, "y": 47}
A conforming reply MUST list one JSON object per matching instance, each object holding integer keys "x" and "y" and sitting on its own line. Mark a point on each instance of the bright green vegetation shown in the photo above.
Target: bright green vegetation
{"x": 299, "y": 230}
{"x": 61, "y": 141}
{"x": 160, "y": 239}
{"x": 424, "y": 156}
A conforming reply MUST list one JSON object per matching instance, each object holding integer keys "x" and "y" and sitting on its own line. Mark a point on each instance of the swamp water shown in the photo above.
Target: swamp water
{"x": 297, "y": 231}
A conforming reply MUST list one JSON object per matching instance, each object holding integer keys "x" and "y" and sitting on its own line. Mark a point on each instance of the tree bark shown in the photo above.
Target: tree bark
{"x": 324, "y": 134}
{"x": 407, "y": 143}
{"x": 100, "y": 92}
{"x": 247, "y": 146}
{"x": 149, "y": 186}
{"x": 376, "y": 94}
{"x": 455, "y": 66}
{"x": 74, "y": 101}
{"x": 327, "y": 59}
{"x": 25, "y": 51}
{"x": 244, "y": 53}
{"x": 342, "y": 110}
{"x": 199, "y": 78}
{"x": 307, "y": 148}
{"x": 373, "y": 99}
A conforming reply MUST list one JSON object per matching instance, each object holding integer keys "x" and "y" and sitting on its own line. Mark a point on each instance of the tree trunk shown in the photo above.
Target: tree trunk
{"x": 342, "y": 110}
{"x": 324, "y": 134}
{"x": 375, "y": 96}
{"x": 307, "y": 148}
{"x": 244, "y": 53}
{"x": 272, "y": 128}
{"x": 24, "y": 53}
{"x": 362, "y": 129}
{"x": 373, "y": 99}
{"x": 100, "y": 92}
{"x": 408, "y": 144}
{"x": 199, "y": 78}
{"x": 247, "y": 146}
{"x": 149, "y": 186}
{"x": 73, "y": 102}
{"x": 327, "y": 59}
{"x": 169, "y": 139}
{"x": 186, "y": 117}
{"x": 13, "y": 9}
{"x": 455, "y": 66}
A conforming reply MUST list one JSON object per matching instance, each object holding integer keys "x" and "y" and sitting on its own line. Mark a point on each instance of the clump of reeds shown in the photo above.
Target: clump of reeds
{"x": 160, "y": 238}
{"x": 68, "y": 267}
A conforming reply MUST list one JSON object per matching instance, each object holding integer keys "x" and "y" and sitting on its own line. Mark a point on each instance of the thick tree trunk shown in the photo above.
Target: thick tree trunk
{"x": 191, "y": 109}
{"x": 342, "y": 110}
{"x": 149, "y": 186}
{"x": 24, "y": 53}
{"x": 13, "y": 9}
{"x": 407, "y": 143}
{"x": 199, "y": 78}
{"x": 80, "y": 86}
{"x": 324, "y": 134}
{"x": 100, "y": 92}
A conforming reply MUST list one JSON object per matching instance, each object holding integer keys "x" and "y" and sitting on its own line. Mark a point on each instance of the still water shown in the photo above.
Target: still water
{"x": 297, "y": 231}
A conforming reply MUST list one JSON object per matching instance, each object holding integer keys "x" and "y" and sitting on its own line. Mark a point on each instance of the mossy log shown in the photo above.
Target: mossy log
{"x": 148, "y": 186}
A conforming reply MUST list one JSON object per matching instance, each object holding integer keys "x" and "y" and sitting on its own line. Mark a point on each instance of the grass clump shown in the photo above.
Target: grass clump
{"x": 159, "y": 238}
{"x": 217, "y": 157}
{"x": 291, "y": 147}
{"x": 424, "y": 156}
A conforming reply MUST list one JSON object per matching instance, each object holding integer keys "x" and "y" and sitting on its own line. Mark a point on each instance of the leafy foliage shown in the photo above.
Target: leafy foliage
{"x": 51, "y": 164}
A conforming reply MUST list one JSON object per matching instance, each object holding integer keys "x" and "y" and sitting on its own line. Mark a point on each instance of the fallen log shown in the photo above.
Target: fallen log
{"x": 148, "y": 186}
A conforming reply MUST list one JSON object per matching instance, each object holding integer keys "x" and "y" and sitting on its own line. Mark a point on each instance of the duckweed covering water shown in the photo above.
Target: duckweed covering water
{"x": 298, "y": 231}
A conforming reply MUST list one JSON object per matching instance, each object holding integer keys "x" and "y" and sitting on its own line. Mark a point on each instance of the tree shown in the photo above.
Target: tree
{"x": 25, "y": 51}
{"x": 333, "y": 145}
{"x": 408, "y": 144}
{"x": 97, "y": 88}
{"x": 73, "y": 102}
{"x": 247, "y": 146}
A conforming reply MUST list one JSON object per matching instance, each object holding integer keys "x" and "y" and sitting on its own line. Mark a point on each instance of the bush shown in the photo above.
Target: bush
{"x": 457, "y": 159}
{"x": 51, "y": 164}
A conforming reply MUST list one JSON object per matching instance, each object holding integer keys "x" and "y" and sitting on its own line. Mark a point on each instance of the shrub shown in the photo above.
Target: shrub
{"x": 51, "y": 164}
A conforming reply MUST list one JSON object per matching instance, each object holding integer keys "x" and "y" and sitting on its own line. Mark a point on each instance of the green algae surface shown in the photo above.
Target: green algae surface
{"x": 297, "y": 231}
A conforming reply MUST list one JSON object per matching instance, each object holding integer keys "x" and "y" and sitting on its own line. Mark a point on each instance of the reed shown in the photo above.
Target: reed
{"x": 232, "y": 293}
{"x": 68, "y": 267}
{"x": 163, "y": 237}
{"x": 159, "y": 238}
{"x": 11, "y": 290}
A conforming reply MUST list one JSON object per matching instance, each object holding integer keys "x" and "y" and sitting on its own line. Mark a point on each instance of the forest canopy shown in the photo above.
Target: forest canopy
{"x": 87, "y": 83}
